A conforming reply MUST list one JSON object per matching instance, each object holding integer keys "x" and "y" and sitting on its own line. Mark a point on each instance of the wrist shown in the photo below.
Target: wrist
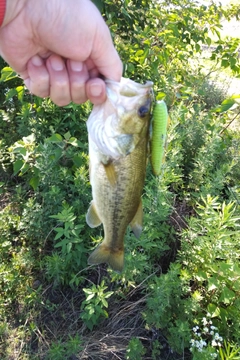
{"x": 11, "y": 9}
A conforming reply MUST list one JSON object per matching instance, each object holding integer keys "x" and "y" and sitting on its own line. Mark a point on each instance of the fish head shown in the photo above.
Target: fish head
{"x": 116, "y": 126}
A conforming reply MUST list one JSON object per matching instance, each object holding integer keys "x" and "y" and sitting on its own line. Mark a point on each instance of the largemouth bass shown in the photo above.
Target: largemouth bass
{"x": 118, "y": 133}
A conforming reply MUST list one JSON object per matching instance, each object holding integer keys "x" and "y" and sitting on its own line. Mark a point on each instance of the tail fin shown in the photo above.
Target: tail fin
{"x": 104, "y": 254}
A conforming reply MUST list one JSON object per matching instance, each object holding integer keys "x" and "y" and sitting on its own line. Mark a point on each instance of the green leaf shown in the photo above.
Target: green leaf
{"x": 225, "y": 63}
{"x": 58, "y": 235}
{"x": 67, "y": 135}
{"x": 69, "y": 247}
{"x": 18, "y": 164}
{"x": 225, "y": 105}
{"x": 201, "y": 275}
{"x": 160, "y": 95}
{"x": 34, "y": 182}
{"x": 25, "y": 168}
{"x": 87, "y": 291}
{"x": 125, "y": 13}
{"x": 213, "y": 283}
{"x": 90, "y": 296}
{"x": 20, "y": 92}
{"x": 208, "y": 41}
{"x": 10, "y": 94}
{"x": 7, "y": 73}
{"x": 55, "y": 138}
{"x": 197, "y": 47}
{"x": 21, "y": 150}
{"x": 73, "y": 141}
{"x": 139, "y": 53}
{"x": 213, "y": 310}
{"x": 105, "y": 303}
{"x": 227, "y": 295}
{"x": 77, "y": 160}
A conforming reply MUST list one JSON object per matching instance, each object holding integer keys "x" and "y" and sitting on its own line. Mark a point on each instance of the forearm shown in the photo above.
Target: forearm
{"x": 9, "y": 9}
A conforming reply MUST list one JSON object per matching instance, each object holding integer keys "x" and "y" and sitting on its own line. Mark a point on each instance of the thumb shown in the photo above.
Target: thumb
{"x": 105, "y": 56}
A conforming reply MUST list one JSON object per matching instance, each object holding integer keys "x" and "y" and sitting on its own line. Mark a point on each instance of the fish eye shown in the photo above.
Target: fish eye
{"x": 143, "y": 111}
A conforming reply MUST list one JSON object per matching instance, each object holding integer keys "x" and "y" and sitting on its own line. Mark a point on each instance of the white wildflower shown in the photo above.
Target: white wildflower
{"x": 203, "y": 343}
{"x": 195, "y": 329}
{"x": 214, "y": 343}
{"x": 217, "y": 337}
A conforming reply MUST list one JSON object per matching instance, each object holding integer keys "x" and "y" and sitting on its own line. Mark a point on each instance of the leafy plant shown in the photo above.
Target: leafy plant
{"x": 95, "y": 304}
{"x": 229, "y": 351}
{"x": 135, "y": 349}
{"x": 64, "y": 349}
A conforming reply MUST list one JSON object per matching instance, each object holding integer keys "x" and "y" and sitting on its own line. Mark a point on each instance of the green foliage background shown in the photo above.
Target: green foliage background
{"x": 183, "y": 273}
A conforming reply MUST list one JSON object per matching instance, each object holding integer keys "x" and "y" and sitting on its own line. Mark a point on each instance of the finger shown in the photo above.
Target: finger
{"x": 96, "y": 91}
{"x": 38, "y": 78}
{"x": 105, "y": 56}
{"x": 59, "y": 80}
{"x": 78, "y": 76}
{"x": 112, "y": 68}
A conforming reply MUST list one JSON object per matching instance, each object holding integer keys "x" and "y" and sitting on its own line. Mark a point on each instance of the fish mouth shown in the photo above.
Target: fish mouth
{"x": 130, "y": 88}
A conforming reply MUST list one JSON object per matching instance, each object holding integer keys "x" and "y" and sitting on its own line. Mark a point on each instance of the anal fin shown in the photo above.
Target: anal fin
{"x": 136, "y": 223}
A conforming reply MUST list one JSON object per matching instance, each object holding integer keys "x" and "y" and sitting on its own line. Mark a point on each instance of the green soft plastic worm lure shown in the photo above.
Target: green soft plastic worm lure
{"x": 159, "y": 135}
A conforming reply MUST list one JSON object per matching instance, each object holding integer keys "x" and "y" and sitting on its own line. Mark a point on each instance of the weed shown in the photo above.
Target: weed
{"x": 95, "y": 304}
{"x": 135, "y": 349}
{"x": 64, "y": 349}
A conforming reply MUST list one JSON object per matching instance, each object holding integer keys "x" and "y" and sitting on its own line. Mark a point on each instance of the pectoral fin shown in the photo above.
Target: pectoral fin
{"x": 92, "y": 216}
{"x": 136, "y": 223}
{"x": 111, "y": 173}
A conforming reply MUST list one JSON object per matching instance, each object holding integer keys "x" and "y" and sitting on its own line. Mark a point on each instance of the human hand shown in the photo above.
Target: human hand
{"x": 60, "y": 48}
